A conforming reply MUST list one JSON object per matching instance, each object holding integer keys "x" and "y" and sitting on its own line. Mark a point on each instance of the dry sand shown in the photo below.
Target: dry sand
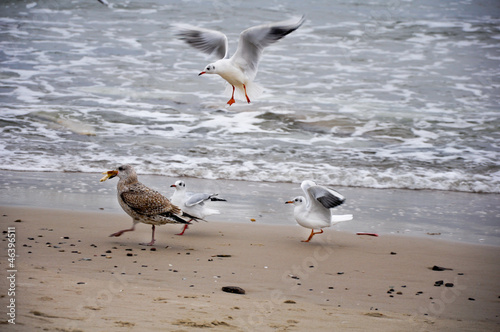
{"x": 70, "y": 276}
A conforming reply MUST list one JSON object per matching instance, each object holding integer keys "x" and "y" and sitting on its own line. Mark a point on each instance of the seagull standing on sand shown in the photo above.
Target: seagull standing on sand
{"x": 313, "y": 211}
{"x": 241, "y": 68}
{"x": 142, "y": 203}
{"x": 193, "y": 204}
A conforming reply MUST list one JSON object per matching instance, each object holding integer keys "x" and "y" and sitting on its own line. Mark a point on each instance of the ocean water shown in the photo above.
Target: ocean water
{"x": 376, "y": 94}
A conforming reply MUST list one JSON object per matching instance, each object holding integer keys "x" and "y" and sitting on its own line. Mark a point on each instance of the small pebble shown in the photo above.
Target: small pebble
{"x": 233, "y": 289}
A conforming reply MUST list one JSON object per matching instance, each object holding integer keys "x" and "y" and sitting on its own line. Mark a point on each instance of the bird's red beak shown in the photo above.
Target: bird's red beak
{"x": 203, "y": 72}
{"x": 173, "y": 186}
{"x": 289, "y": 202}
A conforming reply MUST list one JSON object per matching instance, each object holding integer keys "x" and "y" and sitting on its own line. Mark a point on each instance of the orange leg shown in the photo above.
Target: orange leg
{"x": 183, "y": 230}
{"x": 231, "y": 101}
{"x": 312, "y": 234}
{"x": 152, "y": 238}
{"x": 248, "y": 99}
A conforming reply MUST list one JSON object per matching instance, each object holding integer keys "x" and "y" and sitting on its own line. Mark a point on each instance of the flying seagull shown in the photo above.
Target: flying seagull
{"x": 240, "y": 69}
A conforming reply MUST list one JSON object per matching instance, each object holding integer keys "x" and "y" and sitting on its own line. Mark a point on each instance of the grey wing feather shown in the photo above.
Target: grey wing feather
{"x": 205, "y": 40}
{"x": 195, "y": 199}
{"x": 253, "y": 40}
{"x": 329, "y": 198}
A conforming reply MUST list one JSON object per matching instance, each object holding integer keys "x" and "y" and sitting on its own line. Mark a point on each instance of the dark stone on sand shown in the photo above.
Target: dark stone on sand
{"x": 130, "y": 254}
{"x": 340, "y": 272}
{"x": 472, "y": 299}
{"x": 289, "y": 301}
{"x": 440, "y": 268}
{"x": 222, "y": 256}
{"x": 233, "y": 289}
{"x": 18, "y": 220}
{"x": 80, "y": 283}
{"x": 393, "y": 253}
{"x": 448, "y": 284}
{"x": 439, "y": 283}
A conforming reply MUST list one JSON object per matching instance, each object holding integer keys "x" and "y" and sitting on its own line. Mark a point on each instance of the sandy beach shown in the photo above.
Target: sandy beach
{"x": 70, "y": 276}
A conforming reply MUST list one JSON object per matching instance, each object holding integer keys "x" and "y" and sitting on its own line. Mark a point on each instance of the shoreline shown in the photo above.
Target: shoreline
{"x": 71, "y": 275}
{"x": 454, "y": 216}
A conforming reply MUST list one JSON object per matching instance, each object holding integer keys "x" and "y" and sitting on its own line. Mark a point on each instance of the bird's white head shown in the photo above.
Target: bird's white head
{"x": 209, "y": 69}
{"x": 179, "y": 185}
{"x": 299, "y": 200}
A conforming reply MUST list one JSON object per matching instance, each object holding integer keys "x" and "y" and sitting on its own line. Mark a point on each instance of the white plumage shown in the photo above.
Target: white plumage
{"x": 239, "y": 70}
{"x": 193, "y": 204}
{"x": 313, "y": 210}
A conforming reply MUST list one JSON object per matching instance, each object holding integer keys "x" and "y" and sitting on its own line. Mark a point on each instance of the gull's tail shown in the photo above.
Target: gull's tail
{"x": 339, "y": 218}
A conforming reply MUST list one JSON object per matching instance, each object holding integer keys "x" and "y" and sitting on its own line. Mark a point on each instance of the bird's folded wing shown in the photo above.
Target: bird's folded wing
{"x": 205, "y": 40}
{"x": 329, "y": 198}
{"x": 147, "y": 201}
{"x": 253, "y": 40}
{"x": 195, "y": 199}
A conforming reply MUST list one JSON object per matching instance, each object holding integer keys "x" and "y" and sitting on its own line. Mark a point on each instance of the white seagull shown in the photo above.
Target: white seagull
{"x": 240, "y": 69}
{"x": 313, "y": 211}
{"x": 193, "y": 204}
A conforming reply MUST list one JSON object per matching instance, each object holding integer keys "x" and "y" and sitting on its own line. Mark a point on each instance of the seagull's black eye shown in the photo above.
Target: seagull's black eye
{"x": 120, "y": 168}
{"x": 208, "y": 68}
{"x": 213, "y": 67}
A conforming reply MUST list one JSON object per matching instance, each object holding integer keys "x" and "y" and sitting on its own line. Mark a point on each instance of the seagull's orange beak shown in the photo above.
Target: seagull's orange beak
{"x": 108, "y": 175}
{"x": 289, "y": 202}
{"x": 203, "y": 72}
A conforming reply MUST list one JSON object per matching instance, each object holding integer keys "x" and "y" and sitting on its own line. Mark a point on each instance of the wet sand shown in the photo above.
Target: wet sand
{"x": 70, "y": 276}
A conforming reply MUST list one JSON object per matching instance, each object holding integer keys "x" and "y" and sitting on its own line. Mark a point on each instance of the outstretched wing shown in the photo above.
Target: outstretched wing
{"x": 253, "y": 40}
{"x": 205, "y": 40}
{"x": 329, "y": 198}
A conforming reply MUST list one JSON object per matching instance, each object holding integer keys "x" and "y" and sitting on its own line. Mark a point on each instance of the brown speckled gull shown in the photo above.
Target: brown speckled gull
{"x": 142, "y": 203}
